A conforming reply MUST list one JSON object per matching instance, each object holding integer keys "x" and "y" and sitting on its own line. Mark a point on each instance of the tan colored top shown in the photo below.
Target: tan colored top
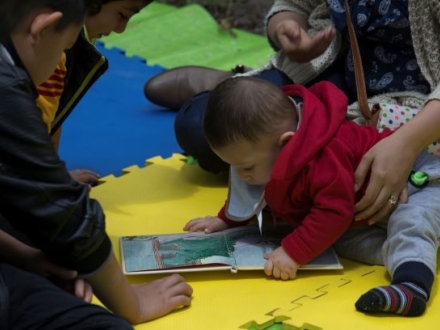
{"x": 424, "y": 16}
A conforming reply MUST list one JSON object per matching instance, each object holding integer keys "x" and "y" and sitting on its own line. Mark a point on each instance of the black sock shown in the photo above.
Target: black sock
{"x": 407, "y": 299}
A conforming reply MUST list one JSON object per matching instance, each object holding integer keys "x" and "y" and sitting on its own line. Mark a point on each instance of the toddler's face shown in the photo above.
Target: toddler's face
{"x": 113, "y": 17}
{"x": 253, "y": 161}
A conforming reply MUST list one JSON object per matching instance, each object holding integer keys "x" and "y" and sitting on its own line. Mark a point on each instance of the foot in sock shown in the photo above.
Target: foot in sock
{"x": 406, "y": 299}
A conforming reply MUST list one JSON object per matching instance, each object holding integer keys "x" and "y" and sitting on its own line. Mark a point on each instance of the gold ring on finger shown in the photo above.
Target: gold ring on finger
{"x": 393, "y": 199}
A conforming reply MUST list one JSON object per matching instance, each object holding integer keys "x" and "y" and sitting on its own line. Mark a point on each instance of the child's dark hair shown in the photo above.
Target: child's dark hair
{"x": 74, "y": 11}
{"x": 12, "y": 12}
{"x": 97, "y": 9}
{"x": 245, "y": 108}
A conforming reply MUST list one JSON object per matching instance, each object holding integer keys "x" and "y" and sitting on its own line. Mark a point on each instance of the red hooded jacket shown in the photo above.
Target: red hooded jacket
{"x": 312, "y": 181}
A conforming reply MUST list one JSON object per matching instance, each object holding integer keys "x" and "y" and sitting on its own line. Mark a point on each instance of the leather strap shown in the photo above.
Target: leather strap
{"x": 372, "y": 115}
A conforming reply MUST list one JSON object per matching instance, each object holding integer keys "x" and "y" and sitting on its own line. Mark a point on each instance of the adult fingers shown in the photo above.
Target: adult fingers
{"x": 306, "y": 48}
{"x": 385, "y": 210}
{"x": 361, "y": 173}
{"x": 403, "y": 198}
{"x": 389, "y": 207}
{"x": 320, "y": 42}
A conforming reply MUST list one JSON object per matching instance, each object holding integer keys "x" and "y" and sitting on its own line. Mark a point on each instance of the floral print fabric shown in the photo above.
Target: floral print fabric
{"x": 384, "y": 37}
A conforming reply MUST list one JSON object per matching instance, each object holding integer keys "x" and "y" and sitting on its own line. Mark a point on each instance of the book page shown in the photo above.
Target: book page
{"x": 240, "y": 248}
{"x": 248, "y": 247}
{"x": 159, "y": 252}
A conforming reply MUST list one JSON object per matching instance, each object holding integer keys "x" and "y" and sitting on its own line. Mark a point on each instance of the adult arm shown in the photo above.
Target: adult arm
{"x": 391, "y": 161}
{"x": 288, "y": 31}
{"x": 301, "y": 34}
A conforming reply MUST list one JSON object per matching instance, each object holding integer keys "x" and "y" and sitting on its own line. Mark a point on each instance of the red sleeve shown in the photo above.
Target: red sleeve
{"x": 231, "y": 223}
{"x": 330, "y": 184}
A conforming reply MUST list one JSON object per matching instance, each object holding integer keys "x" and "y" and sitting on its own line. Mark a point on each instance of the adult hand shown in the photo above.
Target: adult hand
{"x": 298, "y": 45}
{"x": 208, "y": 224}
{"x": 280, "y": 265}
{"x": 162, "y": 296}
{"x": 390, "y": 167}
{"x": 85, "y": 176}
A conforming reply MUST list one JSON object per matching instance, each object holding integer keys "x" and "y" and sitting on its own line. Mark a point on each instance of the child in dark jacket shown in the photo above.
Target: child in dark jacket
{"x": 39, "y": 198}
{"x": 294, "y": 151}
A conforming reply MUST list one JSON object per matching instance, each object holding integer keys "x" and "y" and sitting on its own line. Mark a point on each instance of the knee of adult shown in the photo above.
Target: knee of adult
{"x": 188, "y": 129}
{"x": 188, "y": 124}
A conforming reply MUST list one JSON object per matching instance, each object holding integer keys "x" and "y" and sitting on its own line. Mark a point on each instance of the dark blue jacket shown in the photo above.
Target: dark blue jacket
{"x": 37, "y": 195}
{"x": 85, "y": 64}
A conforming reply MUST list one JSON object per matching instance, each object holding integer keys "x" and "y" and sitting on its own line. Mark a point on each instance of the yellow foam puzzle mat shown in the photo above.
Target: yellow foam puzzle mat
{"x": 162, "y": 196}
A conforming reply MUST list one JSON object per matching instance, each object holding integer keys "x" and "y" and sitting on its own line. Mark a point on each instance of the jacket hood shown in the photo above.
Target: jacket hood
{"x": 324, "y": 109}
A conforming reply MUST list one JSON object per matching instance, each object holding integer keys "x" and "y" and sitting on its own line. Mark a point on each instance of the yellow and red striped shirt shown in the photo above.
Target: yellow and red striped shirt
{"x": 50, "y": 92}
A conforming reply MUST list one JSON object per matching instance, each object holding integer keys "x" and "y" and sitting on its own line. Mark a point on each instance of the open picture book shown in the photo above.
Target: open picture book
{"x": 240, "y": 248}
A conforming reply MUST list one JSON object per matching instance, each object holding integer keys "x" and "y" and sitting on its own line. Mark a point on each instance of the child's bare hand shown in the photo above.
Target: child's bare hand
{"x": 66, "y": 279}
{"x": 280, "y": 265}
{"x": 84, "y": 176}
{"x": 162, "y": 296}
{"x": 35, "y": 261}
{"x": 298, "y": 45}
{"x": 208, "y": 224}
{"x": 78, "y": 287}
{"x": 83, "y": 290}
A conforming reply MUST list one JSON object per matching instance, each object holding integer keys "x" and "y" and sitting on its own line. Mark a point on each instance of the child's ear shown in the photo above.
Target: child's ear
{"x": 42, "y": 22}
{"x": 285, "y": 137}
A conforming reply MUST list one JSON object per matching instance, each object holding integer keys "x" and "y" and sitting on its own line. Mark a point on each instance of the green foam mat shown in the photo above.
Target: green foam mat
{"x": 189, "y": 35}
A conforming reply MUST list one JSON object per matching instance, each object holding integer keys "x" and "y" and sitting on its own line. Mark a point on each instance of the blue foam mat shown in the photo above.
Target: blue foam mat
{"x": 114, "y": 126}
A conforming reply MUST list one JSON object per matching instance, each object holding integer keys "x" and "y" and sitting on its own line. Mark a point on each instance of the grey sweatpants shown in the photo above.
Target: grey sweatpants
{"x": 412, "y": 231}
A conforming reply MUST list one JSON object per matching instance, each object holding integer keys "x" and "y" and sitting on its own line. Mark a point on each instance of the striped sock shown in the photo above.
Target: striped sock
{"x": 406, "y": 299}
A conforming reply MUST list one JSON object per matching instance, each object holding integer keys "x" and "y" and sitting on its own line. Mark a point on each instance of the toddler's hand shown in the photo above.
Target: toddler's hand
{"x": 280, "y": 265}
{"x": 298, "y": 45}
{"x": 207, "y": 224}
